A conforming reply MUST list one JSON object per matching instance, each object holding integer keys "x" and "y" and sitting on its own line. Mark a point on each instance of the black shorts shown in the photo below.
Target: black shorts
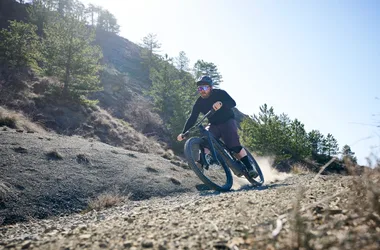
{"x": 228, "y": 131}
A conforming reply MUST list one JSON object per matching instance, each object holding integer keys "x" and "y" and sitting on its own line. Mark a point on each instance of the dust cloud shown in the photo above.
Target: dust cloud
{"x": 270, "y": 174}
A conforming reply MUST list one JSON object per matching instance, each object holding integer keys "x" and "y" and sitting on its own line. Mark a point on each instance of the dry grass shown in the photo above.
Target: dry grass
{"x": 83, "y": 159}
{"x": 106, "y": 200}
{"x": 348, "y": 218}
{"x": 48, "y": 85}
{"x": 96, "y": 123}
{"x": 300, "y": 236}
{"x": 17, "y": 120}
{"x": 367, "y": 189}
{"x": 169, "y": 154}
{"x": 299, "y": 169}
{"x": 120, "y": 133}
{"x": 356, "y": 213}
{"x": 8, "y": 121}
{"x": 142, "y": 116}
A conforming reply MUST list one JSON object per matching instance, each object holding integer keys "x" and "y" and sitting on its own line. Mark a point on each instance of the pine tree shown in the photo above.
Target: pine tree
{"x": 162, "y": 88}
{"x": 266, "y": 133}
{"x": 19, "y": 46}
{"x": 299, "y": 140}
{"x": 150, "y": 47}
{"x": 41, "y": 12}
{"x": 173, "y": 94}
{"x": 79, "y": 12}
{"x": 207, "y": 68}
{"x": 347, "y": 154}
{"x": 93, "y": 12}
{"x": 107, "y": 22}
{"x": 182, "y": 63}
{"x": 65, "y": 7}
{"x": 316, "y": 140}
{"x": 271, "y": 134}
{"x": 330, "y": 145}
{"x": 70, "y": 55}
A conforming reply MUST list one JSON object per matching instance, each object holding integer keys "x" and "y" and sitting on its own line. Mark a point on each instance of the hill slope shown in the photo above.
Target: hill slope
{"x": 47, "y": 174}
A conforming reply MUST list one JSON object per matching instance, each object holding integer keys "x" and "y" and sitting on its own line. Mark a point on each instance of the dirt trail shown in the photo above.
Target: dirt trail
{"x": 242, "y": 219}
{"x": 47, "y": 175}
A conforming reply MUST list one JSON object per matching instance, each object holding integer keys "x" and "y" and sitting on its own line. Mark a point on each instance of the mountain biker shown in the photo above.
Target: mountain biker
{"x": 222, "y": 123}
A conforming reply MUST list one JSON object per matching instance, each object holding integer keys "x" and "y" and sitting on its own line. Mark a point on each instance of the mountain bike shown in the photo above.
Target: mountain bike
{"x": 211, "y": 160}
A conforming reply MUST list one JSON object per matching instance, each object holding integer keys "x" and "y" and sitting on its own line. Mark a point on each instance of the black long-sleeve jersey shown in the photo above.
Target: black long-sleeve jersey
{"x": 204, "y": 105}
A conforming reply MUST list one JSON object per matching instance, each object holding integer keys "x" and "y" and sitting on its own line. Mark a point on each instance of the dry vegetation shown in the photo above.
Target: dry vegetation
{"x": 39, "y": 100}
{"x": 118, "y": 132}
{"x": 346, "y": 220}
{"x": 106, "y": 200}
{"x": 17, "y": 120}
{"x": 169, "y": 154}
{"x": 300, "y": 169}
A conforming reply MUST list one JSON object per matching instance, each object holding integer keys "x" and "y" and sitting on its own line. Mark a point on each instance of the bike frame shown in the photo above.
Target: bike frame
{"x": 237, "y": 169}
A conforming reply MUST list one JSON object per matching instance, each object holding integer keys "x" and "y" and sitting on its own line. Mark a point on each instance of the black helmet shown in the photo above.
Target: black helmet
{"x": 204, "y": 80}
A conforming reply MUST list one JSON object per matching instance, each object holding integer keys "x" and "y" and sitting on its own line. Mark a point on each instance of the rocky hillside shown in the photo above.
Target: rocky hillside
{"x": 124, "y": 80}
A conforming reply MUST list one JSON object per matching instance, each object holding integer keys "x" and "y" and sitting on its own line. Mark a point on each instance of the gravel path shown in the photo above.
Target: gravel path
{"x": 242, "y": 219}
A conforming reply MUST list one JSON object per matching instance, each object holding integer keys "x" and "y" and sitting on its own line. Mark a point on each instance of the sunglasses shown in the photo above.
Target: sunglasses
{"x": 204, "y": 88}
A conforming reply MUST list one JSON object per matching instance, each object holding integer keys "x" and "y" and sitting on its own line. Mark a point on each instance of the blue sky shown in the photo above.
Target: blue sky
{"x": 317, "y": 61}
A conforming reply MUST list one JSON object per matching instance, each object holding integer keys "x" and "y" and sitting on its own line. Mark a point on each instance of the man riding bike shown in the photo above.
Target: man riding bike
{"x": 222, "y": 123}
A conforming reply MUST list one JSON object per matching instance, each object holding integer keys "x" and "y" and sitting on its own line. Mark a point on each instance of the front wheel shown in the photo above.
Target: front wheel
{"x": 214, "y": 172}
{"x": 259, "y": 180}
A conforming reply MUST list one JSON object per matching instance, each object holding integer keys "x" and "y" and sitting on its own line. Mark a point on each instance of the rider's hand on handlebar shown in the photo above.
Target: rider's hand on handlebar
{"x": 217, "y": 105}
{"x": 180, "y": 137}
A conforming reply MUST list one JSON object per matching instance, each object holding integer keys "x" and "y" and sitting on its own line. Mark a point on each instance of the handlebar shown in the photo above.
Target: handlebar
{"x": 211, "y": 112}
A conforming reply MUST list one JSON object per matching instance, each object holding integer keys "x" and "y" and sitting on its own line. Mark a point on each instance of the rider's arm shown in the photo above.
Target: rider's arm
{"x": 193, "y": 118}
{"x": 227, "y": 100}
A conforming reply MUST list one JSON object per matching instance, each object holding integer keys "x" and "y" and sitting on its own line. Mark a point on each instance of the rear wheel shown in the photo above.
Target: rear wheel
{"x": 259, "y": 180}
{"x": 213, "y": 172}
